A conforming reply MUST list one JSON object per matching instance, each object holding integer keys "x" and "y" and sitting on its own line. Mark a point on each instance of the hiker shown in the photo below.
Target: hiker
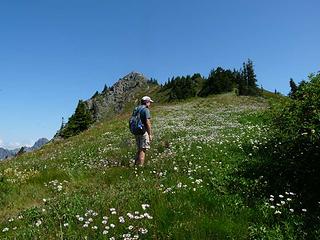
{"x": 142, "y": 131}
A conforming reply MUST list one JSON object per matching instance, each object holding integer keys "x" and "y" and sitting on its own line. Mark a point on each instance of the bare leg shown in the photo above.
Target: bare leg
{"x": 140, "y": 157}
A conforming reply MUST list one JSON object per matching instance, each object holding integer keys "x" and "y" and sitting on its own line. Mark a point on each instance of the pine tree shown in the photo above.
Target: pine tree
{"x": 21, "y": 151}
{"x": 248, "y": 83}
{"x": 78, "y": 122}
{"x": 252, "y": 81}
{"x": 95, "y": 94}
{"x": 219, "y": 81}
{"x": 294, "y": 88}
{"x": 105, "y": 89}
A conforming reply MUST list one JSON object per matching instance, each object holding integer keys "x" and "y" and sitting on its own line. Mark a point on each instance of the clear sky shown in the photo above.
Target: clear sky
{"x": 55, "y": 52}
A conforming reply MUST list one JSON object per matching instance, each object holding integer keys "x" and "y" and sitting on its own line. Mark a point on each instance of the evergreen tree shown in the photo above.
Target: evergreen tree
{"x": 219, "y": 81}
{"x": 21, "y": 151}
{"x": 62, "y": 124}
{"x": 183, "y": 88}
{"x": 78, "y": 122}
{"x": 95, "y": 95}
{"x": 248, "y": 82}
{"x": 251, "y": 76}
{"x": 153, "y": 81}
{"x": 293, "y": 90}
{"x": 105, "y": 89}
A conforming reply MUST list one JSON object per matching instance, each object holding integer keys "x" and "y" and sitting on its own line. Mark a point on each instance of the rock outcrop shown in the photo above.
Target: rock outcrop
{"x": 113, "y": 100}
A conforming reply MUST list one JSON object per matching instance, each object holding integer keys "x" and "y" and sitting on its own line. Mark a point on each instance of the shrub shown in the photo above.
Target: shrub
{"x": 290, "y": 160}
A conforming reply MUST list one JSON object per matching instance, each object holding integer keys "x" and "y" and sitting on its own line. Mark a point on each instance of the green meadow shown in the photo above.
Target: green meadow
{"x": 192, "y": 186}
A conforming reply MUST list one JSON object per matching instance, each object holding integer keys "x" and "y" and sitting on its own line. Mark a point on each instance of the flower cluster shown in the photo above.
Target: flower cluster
{"x": 108, "y": 224}
{"x": 284, "y": 203}
{"x": 14, "y": 175}
{"x": 55, "y": 185}
{"x": 12, "y": 224}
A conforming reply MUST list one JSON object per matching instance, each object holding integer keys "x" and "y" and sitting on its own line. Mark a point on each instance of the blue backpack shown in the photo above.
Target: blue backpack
{"x": 135, "y": 124}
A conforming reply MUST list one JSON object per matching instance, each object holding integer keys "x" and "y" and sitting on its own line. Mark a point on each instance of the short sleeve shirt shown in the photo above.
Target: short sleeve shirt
{"x": 144, "y": 114}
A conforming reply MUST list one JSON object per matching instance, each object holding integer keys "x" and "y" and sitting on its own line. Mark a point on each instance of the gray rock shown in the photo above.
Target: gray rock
{"x": 114, "y": 99}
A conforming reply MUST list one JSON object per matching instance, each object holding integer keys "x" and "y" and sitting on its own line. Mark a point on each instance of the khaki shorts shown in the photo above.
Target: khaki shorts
{"x": 143, "y": 141}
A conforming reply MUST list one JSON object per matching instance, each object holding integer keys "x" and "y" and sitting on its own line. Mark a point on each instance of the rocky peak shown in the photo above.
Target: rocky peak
{"x": 113, "y": 99}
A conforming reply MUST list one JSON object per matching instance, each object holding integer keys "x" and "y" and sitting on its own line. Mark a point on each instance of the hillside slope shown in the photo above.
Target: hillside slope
{"x": 86, "y": 187}
{"x": 113, "y": 100}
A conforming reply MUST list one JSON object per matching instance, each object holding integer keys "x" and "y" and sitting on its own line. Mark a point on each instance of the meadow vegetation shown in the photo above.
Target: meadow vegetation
{"x": 218, "y": 169}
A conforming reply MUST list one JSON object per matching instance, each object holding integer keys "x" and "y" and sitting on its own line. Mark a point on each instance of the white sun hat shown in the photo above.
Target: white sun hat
{"x": 147, "y": 99}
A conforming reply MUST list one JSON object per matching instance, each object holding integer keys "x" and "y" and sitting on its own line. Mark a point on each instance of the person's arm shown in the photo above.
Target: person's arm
{"x": 148, "y": 128}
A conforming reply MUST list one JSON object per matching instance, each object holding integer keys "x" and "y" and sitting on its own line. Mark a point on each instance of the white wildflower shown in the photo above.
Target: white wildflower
{"x": 130, "y": 215}
{"x": 145, "y": 206}
{"x": 121, "y": 219}
{"x": 130, "y": 227}
{"x": 38, "y": 223}
{"x": 143, "y": 230}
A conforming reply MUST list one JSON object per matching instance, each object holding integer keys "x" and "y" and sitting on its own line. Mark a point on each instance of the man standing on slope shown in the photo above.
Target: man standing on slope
{"x": 143, "y": 140}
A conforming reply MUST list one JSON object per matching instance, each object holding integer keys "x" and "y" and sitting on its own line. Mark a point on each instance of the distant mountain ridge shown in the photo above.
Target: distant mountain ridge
{"x": 5, "y": 153}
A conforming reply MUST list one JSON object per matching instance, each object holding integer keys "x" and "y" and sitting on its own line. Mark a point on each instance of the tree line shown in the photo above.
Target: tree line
{"x": 220, "y": 80}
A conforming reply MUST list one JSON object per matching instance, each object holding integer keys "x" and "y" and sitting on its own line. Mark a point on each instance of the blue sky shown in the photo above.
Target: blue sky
{"x": 53, "y": 53}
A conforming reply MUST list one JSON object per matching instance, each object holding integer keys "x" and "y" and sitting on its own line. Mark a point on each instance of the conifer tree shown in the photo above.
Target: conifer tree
{"x": 78, "y": 122}
{"x": 21, "y": 151}
{"x": 105, "y": 89}
{"x": 95, "y": 94}
{"x": 293, "y": 90}
{"x": 248, "y": 82}
{"x": 219, "y": 81}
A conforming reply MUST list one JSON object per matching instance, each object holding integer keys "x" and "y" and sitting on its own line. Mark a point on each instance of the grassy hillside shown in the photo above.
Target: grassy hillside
{"x": 86, "y": 187}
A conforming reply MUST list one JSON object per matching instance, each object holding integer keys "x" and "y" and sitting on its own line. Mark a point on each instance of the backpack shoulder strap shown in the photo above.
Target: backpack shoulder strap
{"x": 138, "y": 110}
